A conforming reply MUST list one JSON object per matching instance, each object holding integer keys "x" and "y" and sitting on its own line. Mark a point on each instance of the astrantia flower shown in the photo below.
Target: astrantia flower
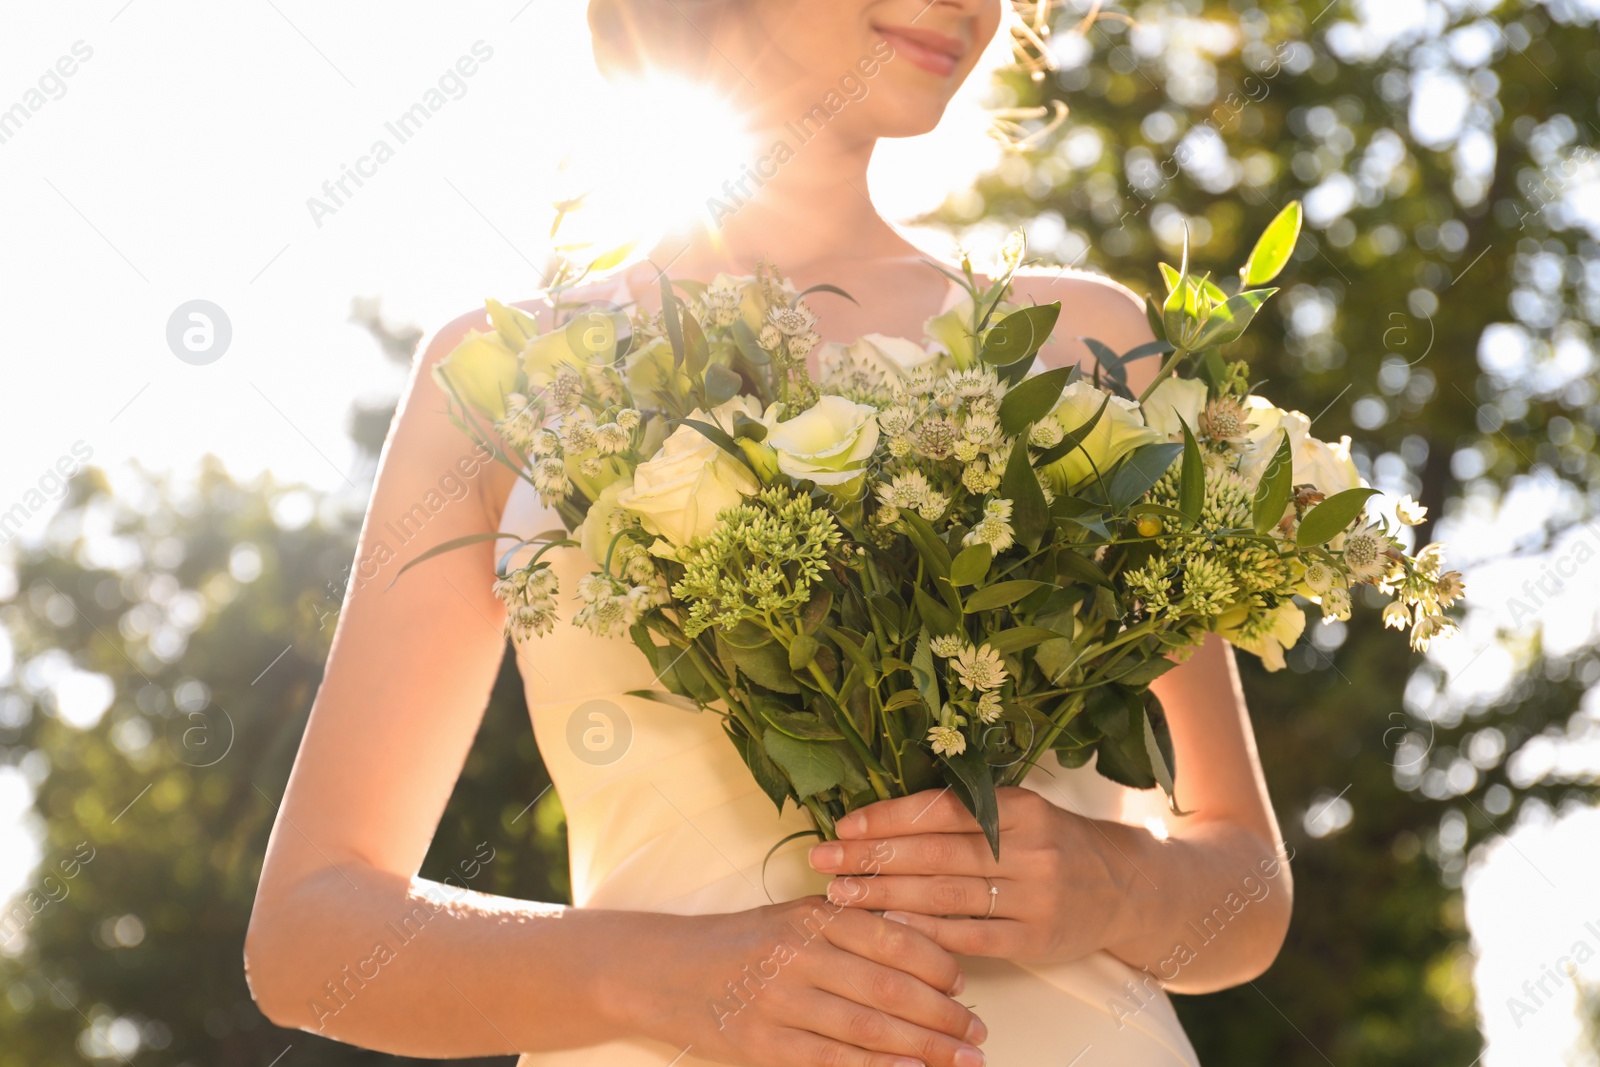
{"x": 1430, "y": 628}
{"x": 988, "y": 709}
{"x": 946, "y": 645}
{"x": 979, "y": 478}
{"x": 1046, "y": 433}
{"x": 550, "y": 479}
{"x": 1449, "y": 588}
{"x": 947, "y": 740}
{"x": 530, "y": 599}
{"x": 994, "y": 529}
{"x": 1365, "y": 552}
{"x": 1396, "y": 615}
{"x": 1336, "y": 605}
{"x": 792, "y": 321}
{"x": 1409, "y": 512}
{"x": 1430, "y": 559}
{"x": 1319, "y": 577}
{"x": 980, "y": 668}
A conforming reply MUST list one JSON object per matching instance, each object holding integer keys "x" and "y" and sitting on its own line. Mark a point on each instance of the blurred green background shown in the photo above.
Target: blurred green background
{"x": 1440, "y": 308}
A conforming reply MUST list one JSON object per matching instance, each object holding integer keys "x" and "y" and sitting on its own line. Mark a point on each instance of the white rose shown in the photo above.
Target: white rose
{"x": 594, "y": 533}
{"x": 829, "y": 443}
{"x": 896, "y": 358}
{"x": 1328, "y": 467}
{"x": 1121, "y": 429}
{"x": 679, "y": 491}
{"x": 1174, "y": 399}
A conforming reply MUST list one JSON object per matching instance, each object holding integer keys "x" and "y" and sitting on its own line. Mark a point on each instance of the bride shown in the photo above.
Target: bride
{"x": 906, "y": 942}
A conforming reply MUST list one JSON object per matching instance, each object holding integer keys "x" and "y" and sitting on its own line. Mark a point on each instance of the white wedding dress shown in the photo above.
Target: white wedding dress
{"x": 662, "y": 815}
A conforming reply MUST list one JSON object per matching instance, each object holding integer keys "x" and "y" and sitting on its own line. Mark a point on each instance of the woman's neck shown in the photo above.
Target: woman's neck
{"x": 799, "y": 206}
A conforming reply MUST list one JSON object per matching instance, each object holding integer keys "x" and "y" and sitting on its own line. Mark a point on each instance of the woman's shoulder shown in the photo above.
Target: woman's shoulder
{"x": 1092, "y": 304}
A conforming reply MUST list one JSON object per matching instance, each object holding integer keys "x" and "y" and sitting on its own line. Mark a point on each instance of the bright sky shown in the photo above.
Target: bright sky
{"x": 175, "y": 163}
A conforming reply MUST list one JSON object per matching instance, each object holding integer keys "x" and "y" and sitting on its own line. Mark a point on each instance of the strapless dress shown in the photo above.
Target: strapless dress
{"x": 662, "y": 815}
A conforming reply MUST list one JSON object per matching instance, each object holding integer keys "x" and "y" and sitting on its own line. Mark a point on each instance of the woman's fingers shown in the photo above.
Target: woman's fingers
{"x": 803, "y": 1048}
{"x": 846, "y": 1019}
{"x": 900, "y": 996}
{"x": 1004, "y": 938}
{"x": 896, "y": 945}
{"x": 933, "y": 894}
{"x": 930, "y": 853}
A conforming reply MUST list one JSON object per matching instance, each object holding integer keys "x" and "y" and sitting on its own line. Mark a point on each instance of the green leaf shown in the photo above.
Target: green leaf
{"x": 1229, "y": 320}
{"x": 926, "y": 677}
{"x": 766, "y": 773}
{"x": 767, "y": 666}
{"x": 671, "y": 318}
{"x": 1274, "y": 247}
{"x": 717, "y": 435}
{"x": 1018, "y": 638}
{"x": 1030, "y": 514}
{"x": 1142, "y": 469}
{"x": 606, "y": 260}
{"x": 934, "y": 552}
{"x": 1070, "y": 564}
{"x": 1020, "y": 334}
{"x": 696, "y": 352}
{"x": 796, "y": 724}
{"x": 453, "y": 544}
{"x": 671, "y": 700}
{"x": 971, "y": 564}
{"x": 974, "y": 784}
{"x": 826, "y": 288}
{"x": 1145, "y": 672}
{"x": 1159, "y": 754}
{"x": 745, "y": 339}
{"x": 889, "y": 612}
{"x": 1332, "y": 517}
{"x": 812, "y": 766}
{"x": 1075, "y": 438}
{"x": 1274, "y": 490}
{"x": 855, "y": 648}
{"x": 1000, "y": 594}
{"x": 1032, "y": 399}
{"x": 802, "y": 650}
{"x": 1192, "y": 478}
{"x": 723, "y": 384}
{"x": 938, "y": 617}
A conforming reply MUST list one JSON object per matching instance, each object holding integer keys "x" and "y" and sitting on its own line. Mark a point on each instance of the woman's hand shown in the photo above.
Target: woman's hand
{"x": 805, "y": 983}
{"x": 1062, "y": 888}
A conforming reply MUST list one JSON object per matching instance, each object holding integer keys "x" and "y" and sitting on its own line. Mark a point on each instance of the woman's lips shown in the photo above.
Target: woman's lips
{"x": 933, "y": 52}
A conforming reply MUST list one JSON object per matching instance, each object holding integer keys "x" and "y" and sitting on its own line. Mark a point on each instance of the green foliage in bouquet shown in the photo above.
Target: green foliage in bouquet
{"x": 935, "y": 563}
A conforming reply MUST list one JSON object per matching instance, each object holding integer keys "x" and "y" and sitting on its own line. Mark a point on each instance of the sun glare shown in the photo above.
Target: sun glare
{"x": 656, "y": 153}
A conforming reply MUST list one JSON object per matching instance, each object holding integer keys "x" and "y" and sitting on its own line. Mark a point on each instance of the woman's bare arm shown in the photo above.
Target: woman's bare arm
{"x": 345, "y": 940}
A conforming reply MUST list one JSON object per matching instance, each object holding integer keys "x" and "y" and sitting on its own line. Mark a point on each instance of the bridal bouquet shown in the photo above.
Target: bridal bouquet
{"x": 934, "y": 563}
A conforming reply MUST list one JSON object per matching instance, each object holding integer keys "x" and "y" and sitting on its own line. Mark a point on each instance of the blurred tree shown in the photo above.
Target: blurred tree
{"x": 1441, "y": 309}
{"x": 203, "y": 612}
